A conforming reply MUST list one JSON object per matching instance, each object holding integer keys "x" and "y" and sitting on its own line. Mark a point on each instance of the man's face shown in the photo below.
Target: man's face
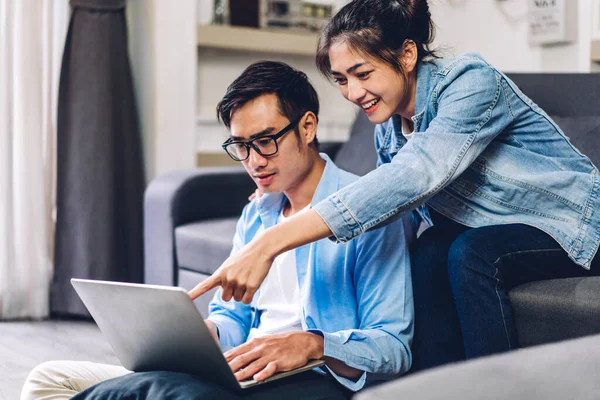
{"x": 283, "y": 170}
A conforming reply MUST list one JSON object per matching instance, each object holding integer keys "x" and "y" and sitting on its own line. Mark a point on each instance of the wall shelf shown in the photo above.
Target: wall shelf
{"x": 256, "y": 40}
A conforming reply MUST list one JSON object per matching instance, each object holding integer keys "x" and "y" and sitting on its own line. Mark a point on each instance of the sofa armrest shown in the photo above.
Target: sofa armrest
{"x": 183, "y": 196}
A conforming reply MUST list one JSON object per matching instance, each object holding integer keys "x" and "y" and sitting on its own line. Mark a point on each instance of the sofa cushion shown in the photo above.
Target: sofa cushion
{"x": 558, "y": 309}
{"x": 203, "y": 246}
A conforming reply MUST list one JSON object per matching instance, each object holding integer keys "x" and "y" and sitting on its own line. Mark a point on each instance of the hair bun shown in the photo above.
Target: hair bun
{"x": 416, "y": 13}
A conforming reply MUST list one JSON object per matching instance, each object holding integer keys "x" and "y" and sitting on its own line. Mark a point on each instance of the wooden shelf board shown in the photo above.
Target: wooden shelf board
{"x": 214, "y": 159}
{"x": 256, "y": 40}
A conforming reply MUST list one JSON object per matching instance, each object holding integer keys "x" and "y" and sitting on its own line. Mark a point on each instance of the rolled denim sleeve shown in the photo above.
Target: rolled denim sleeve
{"x": 380, "y": 345}
{"x": 232, "y": 318}
{"x": 471, "y": 112}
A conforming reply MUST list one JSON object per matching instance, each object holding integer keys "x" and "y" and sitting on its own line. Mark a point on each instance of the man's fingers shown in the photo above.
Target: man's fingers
{"x": 241, "y": 349}
{"x": 243, "y": 360}
{"x": 209, "y": 283}
{"x": 267, "y": 372}
{"x": 257, "y": 366}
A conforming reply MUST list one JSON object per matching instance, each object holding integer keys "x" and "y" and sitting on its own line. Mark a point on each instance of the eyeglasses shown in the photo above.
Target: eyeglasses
{"x": 264, "y": 145}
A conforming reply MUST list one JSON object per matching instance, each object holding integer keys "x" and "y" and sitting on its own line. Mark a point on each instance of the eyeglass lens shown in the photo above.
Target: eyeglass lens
{"x": 264, "y": 146}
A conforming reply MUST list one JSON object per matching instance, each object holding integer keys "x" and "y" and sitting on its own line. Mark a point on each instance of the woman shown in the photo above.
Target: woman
{"x": 510, "y": 199}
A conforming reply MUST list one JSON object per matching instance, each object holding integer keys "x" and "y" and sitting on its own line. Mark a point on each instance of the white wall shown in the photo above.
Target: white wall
{"x": 498, "y": 30}
{"x": 162, "y": 44}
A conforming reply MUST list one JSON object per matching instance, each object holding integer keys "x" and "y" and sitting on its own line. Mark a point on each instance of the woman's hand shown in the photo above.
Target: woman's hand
{"x": 256, "y": 195}
{"x": 240, "y": 275}
{"x": 243, "y": 272}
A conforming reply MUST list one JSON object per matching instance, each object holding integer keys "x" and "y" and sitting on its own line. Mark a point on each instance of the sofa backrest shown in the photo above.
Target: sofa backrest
{"x": 572, "y": 100}
{"x": 357, "y": 154}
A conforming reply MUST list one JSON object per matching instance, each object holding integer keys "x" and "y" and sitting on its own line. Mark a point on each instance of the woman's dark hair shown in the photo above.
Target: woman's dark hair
{"x": 379, "y": 28}
{"x": 294, "y": 92}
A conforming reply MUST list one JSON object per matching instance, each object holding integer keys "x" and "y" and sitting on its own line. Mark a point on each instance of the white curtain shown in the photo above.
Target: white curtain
{"x": 32, "y": 36}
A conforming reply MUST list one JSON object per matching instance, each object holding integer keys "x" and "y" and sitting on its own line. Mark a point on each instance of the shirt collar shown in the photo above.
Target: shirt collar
{"x": 425, "y": 72}
{"x": 270, "y": 205}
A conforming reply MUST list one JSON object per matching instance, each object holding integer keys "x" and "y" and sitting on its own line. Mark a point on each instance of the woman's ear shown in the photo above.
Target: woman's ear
{"x": 409, "y": 56}
{"x": 308, "y": 127}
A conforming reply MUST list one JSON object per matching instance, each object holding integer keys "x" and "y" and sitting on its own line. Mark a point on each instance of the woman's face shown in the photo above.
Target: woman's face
{"x": 374, "y": 86}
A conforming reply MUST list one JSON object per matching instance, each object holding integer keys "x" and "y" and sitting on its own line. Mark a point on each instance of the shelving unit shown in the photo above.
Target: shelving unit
{"x": 256, "y": 40}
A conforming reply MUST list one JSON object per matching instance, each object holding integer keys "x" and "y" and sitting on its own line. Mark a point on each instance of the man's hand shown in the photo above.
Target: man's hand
{"x": 262, "y": 357}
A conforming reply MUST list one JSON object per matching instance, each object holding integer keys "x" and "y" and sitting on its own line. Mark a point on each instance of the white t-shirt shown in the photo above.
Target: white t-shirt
{"x": 279, "y": 297}
{"x": 406, "y": 131}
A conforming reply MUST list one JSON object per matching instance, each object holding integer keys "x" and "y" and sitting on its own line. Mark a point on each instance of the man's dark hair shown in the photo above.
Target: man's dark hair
{"x": 294, "y": 92}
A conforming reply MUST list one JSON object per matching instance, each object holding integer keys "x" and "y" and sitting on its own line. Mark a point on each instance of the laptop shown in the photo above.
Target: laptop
{"x": 158, "y": 328}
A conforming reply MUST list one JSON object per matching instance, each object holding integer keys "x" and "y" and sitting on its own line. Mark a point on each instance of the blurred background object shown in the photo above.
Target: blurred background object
{"x": 295, "y": 14}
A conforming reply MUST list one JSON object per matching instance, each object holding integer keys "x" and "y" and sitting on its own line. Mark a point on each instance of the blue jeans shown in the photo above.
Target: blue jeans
{"x": 461, "y": 279}
{"x": 179, "y": 386}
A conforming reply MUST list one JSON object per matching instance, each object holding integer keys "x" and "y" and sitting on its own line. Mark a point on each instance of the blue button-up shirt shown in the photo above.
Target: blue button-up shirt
{"x": 357, "y": 295}
{"x": 482, "y": 154}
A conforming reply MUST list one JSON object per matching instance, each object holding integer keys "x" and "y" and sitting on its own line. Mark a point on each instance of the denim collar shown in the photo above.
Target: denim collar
{"x": 270, "y": 205}
{"x": 425, "y": 72}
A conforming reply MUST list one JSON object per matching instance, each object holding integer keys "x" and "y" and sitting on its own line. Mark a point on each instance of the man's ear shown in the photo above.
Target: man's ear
{"x": 308, "y": 127}
{"x": 409, "y": 56}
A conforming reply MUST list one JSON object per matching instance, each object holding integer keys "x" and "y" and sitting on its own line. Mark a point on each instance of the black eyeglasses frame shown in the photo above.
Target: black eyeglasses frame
{"x": 250, "y": 143}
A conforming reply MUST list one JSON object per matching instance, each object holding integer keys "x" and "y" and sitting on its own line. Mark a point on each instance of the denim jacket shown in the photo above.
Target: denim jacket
{"x": 357, "y": 295}
{"x": 482, "y": 154}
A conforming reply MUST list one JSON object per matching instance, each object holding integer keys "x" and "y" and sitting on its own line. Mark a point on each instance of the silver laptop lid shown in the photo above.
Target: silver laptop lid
{"x": 155, "y": 328}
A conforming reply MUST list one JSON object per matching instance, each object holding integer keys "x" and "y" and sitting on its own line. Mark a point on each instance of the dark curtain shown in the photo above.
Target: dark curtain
{"x": 100, "y": 178}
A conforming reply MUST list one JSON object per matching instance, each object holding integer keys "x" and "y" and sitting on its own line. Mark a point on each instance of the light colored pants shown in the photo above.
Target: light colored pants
{"x": 58, "y": 380}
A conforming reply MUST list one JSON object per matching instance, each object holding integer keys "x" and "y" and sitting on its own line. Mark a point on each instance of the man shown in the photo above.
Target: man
{"x": 350, "y": 304}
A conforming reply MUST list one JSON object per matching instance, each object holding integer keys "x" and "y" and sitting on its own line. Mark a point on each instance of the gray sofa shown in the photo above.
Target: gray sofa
{"x": 558, "y": 371}
{"x": 190, "y": 215}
